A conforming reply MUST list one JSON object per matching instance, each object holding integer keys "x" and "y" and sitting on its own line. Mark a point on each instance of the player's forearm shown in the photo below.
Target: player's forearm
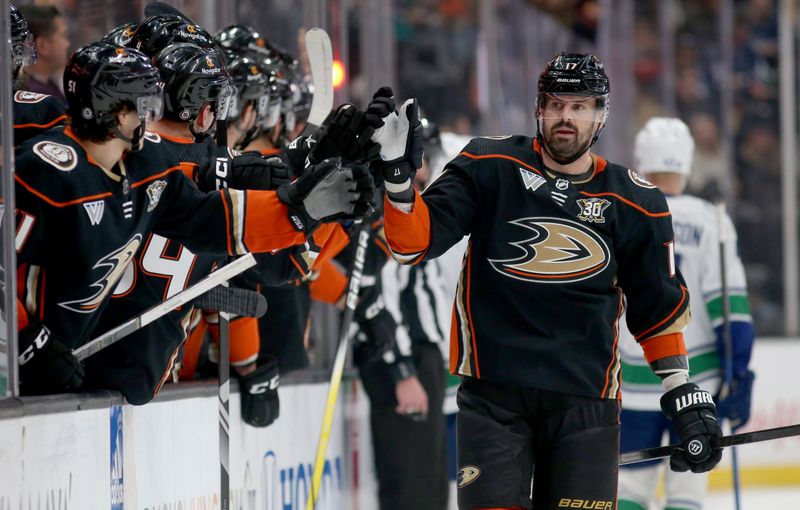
{"x": 668, "y": 358}
{"x": 408, "y": 234}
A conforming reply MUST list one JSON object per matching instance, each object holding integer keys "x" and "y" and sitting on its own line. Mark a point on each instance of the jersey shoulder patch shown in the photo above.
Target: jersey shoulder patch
{"x": 152, "y": 136}
{"x": 61, "y": 156}
{"x": 640, "y": 180}
{"x": 28, "y": 97}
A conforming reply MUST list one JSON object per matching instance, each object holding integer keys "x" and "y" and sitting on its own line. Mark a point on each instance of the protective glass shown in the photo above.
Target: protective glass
{"x": 150, "y": 108}
{"x": 573, "y": 106}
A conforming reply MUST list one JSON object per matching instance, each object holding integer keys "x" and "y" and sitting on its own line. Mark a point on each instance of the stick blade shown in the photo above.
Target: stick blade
{"x": 320, "y": 61}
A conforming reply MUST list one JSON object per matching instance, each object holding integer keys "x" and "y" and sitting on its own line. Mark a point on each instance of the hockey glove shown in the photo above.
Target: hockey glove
{"x": 249, "y": 170}
{"x": 259, "y": 390}
{"x": 692, "y": 412}
{"x": 401, "y": 151}
{"x": 328, "y": 192}
{"x": 736, "y": 405}
{"x": 46, "y": 364}
{"x": 347, "y": 136}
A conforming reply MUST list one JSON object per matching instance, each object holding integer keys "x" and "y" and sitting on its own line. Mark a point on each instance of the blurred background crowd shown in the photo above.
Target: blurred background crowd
{"x": 473, "y": 65}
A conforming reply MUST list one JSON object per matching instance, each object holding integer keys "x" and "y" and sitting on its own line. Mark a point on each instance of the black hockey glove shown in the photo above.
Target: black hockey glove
{"x": 692, "y": 411}
{"x": 259, "y": 390}
{"x": 400, "y": 139}
{"x": 736, "y": 405}
{"x": 347, "y": 136}
{"x": 249, "y": 170}
{"x": 328, "y": 192}
{"x": 46, "y": 364}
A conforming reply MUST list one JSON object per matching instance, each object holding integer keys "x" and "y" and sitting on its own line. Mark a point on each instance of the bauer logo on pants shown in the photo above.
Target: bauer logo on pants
{"x": 467, "y": 475}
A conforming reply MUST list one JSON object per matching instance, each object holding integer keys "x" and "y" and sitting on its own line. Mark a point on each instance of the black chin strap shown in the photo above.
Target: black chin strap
{"x": 135, "y": 140}
{"x": 198, "y": 137}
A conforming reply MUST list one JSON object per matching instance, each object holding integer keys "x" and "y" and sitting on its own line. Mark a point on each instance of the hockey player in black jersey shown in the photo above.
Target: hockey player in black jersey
{"x": 88, "y": 195}
{"x": 33, "y": 113}
{"x": 558, "y": 237}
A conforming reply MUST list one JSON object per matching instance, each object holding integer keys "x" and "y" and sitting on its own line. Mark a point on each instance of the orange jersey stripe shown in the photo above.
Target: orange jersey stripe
{"x": 52, "y": 123}
{"x": 55, "y": 203}
{"x": 665, "y": 319}
{"x": 628, "y": 202}
{"x": 663, "y": 346}
{"x": 407, "y": 233}
{"x": 501, "y": 156}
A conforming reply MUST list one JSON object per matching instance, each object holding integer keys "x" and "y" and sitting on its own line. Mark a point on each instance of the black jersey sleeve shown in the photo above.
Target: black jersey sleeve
{"x": 658, "y": 301}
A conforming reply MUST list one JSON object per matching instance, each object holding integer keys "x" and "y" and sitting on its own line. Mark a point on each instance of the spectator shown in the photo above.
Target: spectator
{"x": 52, "y": 46}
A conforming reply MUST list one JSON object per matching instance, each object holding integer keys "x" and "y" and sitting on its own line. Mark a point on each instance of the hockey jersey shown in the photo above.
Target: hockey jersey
{"x": 79, "y": 226}
{"x": 550, "y": 256}
{"x": 35, "y": 113}
{"x": 696, "y": 227}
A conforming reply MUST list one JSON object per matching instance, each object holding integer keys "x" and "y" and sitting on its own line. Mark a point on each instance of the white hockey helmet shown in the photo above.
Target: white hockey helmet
{"x": 664, "y": 144}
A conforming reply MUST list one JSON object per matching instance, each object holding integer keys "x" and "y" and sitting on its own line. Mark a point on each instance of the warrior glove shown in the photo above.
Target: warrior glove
{"x": 328, "y": 192}
{"x": 693, "y": 413}
{"x": 46, "y": 364}
{"x": 259, "y": 390}
{"x": 249, "y": 170}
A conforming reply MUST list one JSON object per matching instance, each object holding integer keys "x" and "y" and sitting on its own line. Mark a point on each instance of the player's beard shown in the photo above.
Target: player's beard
{"x": 566, "y": 150}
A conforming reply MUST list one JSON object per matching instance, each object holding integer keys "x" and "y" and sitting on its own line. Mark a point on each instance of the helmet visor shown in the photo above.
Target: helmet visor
{"x": 226, "y": 100}
{"x": 573, "y": 106}
{"x": 150, "y": 108}
{"x": 24, "y": 52}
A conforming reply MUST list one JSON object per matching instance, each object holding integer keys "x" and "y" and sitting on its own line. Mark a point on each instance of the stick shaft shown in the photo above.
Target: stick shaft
{"x": 222, "y": 274}
{"x": 224, "y": 416}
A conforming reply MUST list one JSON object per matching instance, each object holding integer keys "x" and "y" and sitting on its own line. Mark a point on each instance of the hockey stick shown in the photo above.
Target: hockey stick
{"x": 756, "y": 436}
{"x": 353, "y": 286}
{"x": 162, "y": 9}
{"x": 727, "y": 339}
{"x": 320, "y": 61}
{"x": 156, "y": 312}
{"x": 235, "y": 301}
{"x": 224, "y": 400}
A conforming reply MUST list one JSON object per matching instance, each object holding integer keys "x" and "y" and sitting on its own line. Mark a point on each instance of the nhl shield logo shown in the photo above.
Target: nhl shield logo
{"x": 154, "y": 192}
{"x": 60, "y": 156}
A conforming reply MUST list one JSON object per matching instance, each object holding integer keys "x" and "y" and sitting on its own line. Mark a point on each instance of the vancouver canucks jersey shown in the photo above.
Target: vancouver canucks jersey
{"x": 696, "y": 227}
{"x": 549, "y": 259}
{"x": 35, "y": 113}
{"x": 80, "y": 226}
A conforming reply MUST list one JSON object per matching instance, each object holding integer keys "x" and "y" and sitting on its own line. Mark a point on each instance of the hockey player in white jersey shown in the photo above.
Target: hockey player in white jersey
{"x": 663, "y": 155}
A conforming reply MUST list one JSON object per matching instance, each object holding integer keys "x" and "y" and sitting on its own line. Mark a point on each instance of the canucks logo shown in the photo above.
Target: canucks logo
{"x": 557, "y": 251}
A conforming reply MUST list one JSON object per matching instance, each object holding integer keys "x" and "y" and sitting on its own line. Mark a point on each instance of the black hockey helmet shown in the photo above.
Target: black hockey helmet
{"x": 251, "y": 81}
{"x": 101, "y": 77}
{"x": 574, "y": 73}
{"x": 121, "y": 34}
{"x": 244, "y": 40}
{"x": 157, "y": 32}
{"x": 192, "y": 76}
{"x": 23, "y": 49}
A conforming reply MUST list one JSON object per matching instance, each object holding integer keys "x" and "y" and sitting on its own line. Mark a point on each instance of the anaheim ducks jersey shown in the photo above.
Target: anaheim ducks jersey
{"x": 80, "y": 226}
{"x": 697, "y": 254}
{"x": 549, "y": 260}
{"x": 35, "y": 113}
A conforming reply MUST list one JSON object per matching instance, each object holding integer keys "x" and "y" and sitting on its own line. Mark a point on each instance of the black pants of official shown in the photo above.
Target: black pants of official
{"x": 508, "y": 436}
{"x": 410, "y": 456}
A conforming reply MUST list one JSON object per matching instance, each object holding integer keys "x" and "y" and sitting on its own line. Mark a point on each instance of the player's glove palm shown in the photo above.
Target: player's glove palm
{"x": 328, "y": 192}
{"x": 46, "y": 364}
{"x": 259, "y": 390}
{"x": 693, "y": 413}
{"x": 400, "y": 139}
